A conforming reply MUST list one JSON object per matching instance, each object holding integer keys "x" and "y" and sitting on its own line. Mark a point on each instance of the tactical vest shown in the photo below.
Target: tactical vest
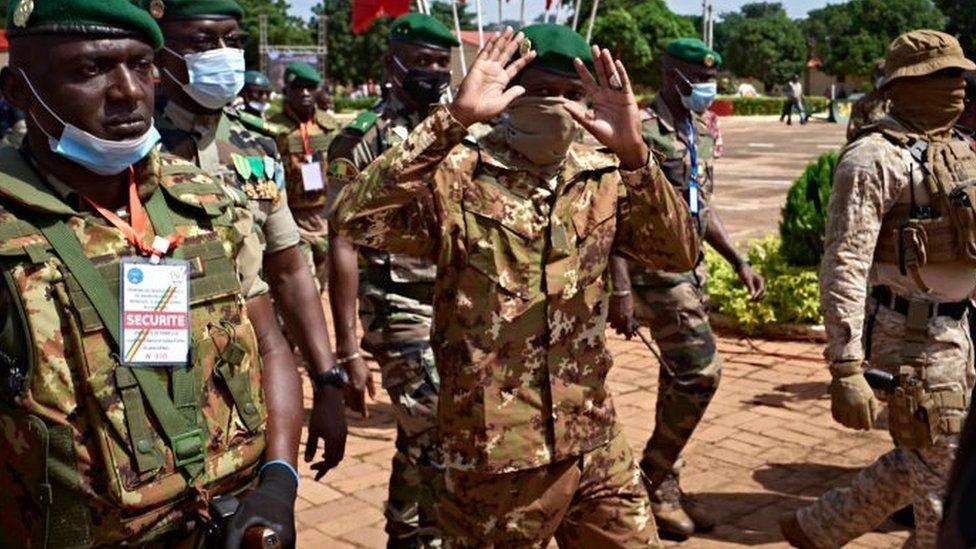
{"x": 292, "y": 149}
{"x": 912, "y": 235}
{"x": 96, "y": 453}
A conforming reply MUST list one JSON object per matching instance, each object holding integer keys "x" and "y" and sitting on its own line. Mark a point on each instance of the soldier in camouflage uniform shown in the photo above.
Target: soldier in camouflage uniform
{"x": 396, "y": 290}
{"x": 303, "y": 143}
{"x": 900, "y": 217}
{"x": 675, "y": 305}
{"x": 872, "y": 107}
{"x": 203, "y": 37}
{"x": 522, "y": 223}
{"x": 98, "y": 451}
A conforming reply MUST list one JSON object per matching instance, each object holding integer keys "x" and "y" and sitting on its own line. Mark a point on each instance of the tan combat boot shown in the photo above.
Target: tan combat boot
{"x": 669, "y": 513}
{"x": 790, "y": 527}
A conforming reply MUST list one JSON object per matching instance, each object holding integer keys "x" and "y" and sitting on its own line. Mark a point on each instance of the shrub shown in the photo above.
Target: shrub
{"x": 344, "y": 104}
{"x": 792, "y": 293}
{"x": 745, "y": 106}
{"x": 803, "y": 217}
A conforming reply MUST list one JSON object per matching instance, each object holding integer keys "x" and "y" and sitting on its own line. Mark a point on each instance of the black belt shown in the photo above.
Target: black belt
{"x": 954, "y": 310}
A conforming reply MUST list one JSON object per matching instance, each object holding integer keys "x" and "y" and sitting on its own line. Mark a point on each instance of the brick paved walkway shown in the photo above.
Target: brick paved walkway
{"x": 767, "y": 444}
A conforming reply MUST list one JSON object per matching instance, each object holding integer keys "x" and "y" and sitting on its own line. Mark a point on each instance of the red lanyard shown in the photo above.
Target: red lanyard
{"x": 135, "y": 232}
{"x": 306, "y": 140}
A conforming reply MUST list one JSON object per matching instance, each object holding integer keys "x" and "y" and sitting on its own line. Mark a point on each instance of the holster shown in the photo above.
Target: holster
{"x": 918, "y": 418}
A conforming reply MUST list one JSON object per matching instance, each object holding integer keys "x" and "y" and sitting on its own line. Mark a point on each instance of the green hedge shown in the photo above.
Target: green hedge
{"x": 745, "y": 106}
{"x": 803, "y": 217}
{"x": 792, "y": 293}
{"x": 344, "y": 104}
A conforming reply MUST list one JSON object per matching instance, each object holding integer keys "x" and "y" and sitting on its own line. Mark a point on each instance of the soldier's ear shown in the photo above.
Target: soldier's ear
{"x": 15, "y": 89}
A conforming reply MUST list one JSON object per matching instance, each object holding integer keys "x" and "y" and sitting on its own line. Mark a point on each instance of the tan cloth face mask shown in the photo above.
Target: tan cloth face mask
{"x": 540, "y": 129}
{"x": 929, "y": 105}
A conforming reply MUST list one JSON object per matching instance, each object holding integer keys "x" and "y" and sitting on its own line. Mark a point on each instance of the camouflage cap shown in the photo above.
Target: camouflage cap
{"x": 694, "y": 51}
{"x": 302, "y": 72}
{"x": 95, "y": 17}
{"x": 423, "y": 30}
{"x": 190, "y": 9}
{"x": 923, "y": 52}
{"x": 555, "y": 47}
{"x": 256, "y": 78}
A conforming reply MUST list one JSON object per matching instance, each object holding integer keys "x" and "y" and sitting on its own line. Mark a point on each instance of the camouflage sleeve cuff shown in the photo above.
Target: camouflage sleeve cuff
{"x": 439, "y": 132}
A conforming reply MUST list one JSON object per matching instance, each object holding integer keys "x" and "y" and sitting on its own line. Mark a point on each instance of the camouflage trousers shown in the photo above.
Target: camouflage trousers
{"x": 316, "y": 254}
{"x": 675, "y": 307}
{"x": 596, "y": 500}
{"x": 902, "y": 476}
{"x": 410, "y": 378}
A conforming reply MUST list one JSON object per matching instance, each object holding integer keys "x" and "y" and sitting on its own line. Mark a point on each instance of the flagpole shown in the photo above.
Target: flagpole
{"x": 457, "y": 31}
{"x": 481, "y": 27}
{"x": 589, "y": 31}
{"x": 545, "y": 17}
{"x": 559, "y": 11}
{"x": 522, "y": 13}
{"x": 500, "y": 16}
{"x": 576, "y": 14}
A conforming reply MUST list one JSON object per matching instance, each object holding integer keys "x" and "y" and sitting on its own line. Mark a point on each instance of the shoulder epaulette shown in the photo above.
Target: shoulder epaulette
{"x": 364, "y": 122}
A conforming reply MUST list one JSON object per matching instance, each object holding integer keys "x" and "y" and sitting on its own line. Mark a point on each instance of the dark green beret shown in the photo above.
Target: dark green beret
{"x": 695, "y": 51}
{"x": 302, "y": 72}
{"x": 423, "y": 30}
{"x": 95, "y": 17}
{"x": 556, "y": 46}
{"x": 256, "y": 78}
{"x": 189, "y": 9}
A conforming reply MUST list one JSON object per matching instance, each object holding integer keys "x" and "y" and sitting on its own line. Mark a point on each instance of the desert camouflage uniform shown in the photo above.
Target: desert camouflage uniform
{"x": 308, "y": 207}
{"x": 82, "y": 464}
{"x": 395, "y": 308}
{"x": 675, "y": 305}
{"x": 246, "y": 162}
{"x": 520, "y": 306}
{"x": 872, "y": 176}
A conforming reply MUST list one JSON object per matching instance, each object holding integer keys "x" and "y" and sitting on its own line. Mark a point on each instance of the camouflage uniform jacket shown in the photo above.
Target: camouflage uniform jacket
{"x": 82, "y": 463}
{"x": 298, "y": 147}
{"x": 395, "y": 290}
{"x": 246, "y": 162}
{"x": 520, "y": 297}
{"x": 872, "y": 176}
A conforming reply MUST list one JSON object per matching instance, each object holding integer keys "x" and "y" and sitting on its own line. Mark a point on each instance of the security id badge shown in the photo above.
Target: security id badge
{"x": 312, "y": 179}
{"x": 155, "y": 311}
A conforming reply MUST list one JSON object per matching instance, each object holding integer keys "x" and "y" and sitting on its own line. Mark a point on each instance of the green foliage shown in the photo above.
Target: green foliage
{"x": 353, "y": 58}
{"x": 748, "y": 106}
{"x": 442, "y": 11}
{"x": 850, "y": 36}
{"x": 792, "y": 293}
{"x": 803, "y": 217}
{"x": 961, "y": 16}
{"x": 344, "y": 104}
{"x": 282, "y": 27}
{"x": 762, "y": 42}
{"x": 617, "y": 30}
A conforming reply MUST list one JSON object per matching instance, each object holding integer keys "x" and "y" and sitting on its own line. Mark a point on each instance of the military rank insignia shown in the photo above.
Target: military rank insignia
{"x": 23, "y": 12}
{"x": 157, "y": 9}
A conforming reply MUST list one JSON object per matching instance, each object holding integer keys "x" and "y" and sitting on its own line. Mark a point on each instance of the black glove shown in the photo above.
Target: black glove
{"x": 271, "y": 504}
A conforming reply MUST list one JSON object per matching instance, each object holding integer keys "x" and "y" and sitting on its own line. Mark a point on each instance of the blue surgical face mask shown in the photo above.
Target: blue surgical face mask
{"x": 216, "y": 76}
{"x": 258, "y": 106}
{"x": 701, "y": 97}
{"x": 97, "y": 155}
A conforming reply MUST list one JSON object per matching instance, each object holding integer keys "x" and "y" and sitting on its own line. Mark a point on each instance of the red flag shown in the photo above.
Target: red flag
{"x": 365, "y": 11}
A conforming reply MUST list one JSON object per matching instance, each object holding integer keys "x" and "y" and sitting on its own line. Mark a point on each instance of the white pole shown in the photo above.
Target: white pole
{"x": 711, "y": 26}
{"x": 576, "y": 14}
{"x": 457, "y": 31}
{"x": 481, "y": 27}
{"x": 545, "y": 14}
{"x": 559, "y": 11}
{"x": 500, "y": 16}
{"x": 522, "y": 13}
{"x": 589, "y": 31}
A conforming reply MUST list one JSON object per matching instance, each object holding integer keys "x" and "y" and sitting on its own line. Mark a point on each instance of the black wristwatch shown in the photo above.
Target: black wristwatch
{"x": 336, "y": 377}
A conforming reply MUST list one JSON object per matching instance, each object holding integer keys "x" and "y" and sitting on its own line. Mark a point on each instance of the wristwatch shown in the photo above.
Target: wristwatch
{"x": 336, "y": 377}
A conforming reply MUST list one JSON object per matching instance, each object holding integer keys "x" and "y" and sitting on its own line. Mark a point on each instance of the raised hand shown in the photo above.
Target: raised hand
{"x": 484, "y": 93}
{"x": 614, "y": 119}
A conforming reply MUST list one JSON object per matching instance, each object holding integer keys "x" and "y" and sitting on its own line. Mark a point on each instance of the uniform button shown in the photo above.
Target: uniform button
{"x": 249, "y": 408}
{"x": 143, "y": 446}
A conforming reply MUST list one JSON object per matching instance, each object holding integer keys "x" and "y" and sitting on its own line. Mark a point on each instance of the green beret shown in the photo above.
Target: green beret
{"x": 556, "y": 46}
{"x": 695, "y": 51}
{"x": 302, "y": 71}
{"x": 256, "y": 78}
{"x": 188, "y": 9}
{"x": 423, "y": 30}
{"x": 95, "y": 17}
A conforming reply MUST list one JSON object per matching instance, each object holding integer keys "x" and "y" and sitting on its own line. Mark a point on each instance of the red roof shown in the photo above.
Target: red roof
{"x": 4, "y": 45}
